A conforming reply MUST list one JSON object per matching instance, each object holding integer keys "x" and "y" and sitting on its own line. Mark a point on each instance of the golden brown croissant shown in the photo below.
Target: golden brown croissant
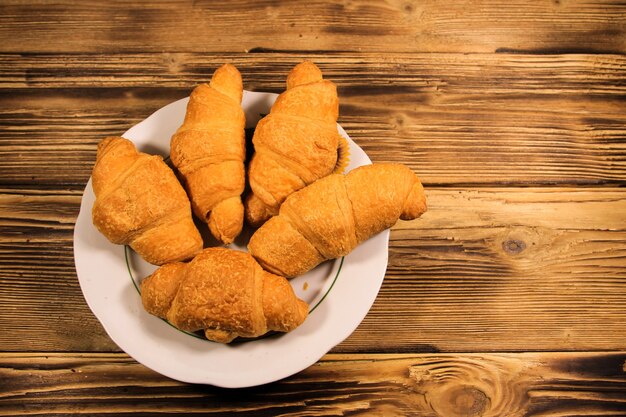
{"x": 139, "y": 202}
{"x": 208, "y": 150}
{"x": 296, "y": 144}
{"x": 225, "y": 293}
{"x": 332, "y": 216}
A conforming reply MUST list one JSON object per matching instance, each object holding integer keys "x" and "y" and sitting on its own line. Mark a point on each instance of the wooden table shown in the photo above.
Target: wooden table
{"x": 508, "y": 298}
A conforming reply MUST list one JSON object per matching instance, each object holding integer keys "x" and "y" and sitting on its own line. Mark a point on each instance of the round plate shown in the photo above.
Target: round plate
{"x": 339, "y": 292}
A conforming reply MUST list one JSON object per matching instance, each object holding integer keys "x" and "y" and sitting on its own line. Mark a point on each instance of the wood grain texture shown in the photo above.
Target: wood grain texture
{"x": 501, "y": 269}
{"x": 244, "y": 25}
{"x": 455, "y": 119}
{"x": 502, "y": 74}
{"x": 488, "y": 101}
{"x": 460, "y": 385}
{"x": 37, "y": 274}
{"x": 540, "y": 266}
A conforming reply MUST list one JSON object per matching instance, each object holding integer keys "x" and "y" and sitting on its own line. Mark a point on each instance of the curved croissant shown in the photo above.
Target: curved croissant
{"x": 139, "y": 202}
{"x": 225, "y": 293}
{"x": 332, "y": 216}
{"x": 295, "y": 144}
{"x": 209, "y": 151}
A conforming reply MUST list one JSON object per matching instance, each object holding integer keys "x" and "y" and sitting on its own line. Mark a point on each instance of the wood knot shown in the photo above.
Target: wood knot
{"x": 471, "y": 386}
{"x": 513, "y": 246}
{"x": 467, "y": 401}
{"x": 174, "y": 62}
{"x": 399, "y": 121}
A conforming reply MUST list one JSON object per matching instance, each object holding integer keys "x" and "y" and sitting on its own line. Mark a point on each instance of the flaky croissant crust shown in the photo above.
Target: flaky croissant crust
{"x": 208, "y": 151}
{"x": 330, "y": 217}
{"x": 295, "y": 144}
{"x": 225, "y": 293}
{"x": 139, "y": 202}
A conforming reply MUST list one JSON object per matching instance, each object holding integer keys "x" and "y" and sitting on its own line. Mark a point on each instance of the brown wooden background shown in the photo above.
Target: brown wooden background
{"x": 507, "y": 299}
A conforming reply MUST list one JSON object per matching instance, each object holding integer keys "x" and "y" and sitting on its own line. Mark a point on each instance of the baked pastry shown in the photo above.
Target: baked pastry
{"x": 330, "y": 217}
{"x": 296, "y": 144}
{"x": 208, "y": 151}
{"x": 139, "y": 202}
{"x": 225, "y": 293}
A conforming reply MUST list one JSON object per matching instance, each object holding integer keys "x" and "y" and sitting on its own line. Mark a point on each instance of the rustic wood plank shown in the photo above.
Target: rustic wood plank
{"x": 455, "y": 119}
{"x": 539, "y": 266}
{"x": 547, "y": 384}
{"x": 490, "y": 269}
{"x": 503, "y": 74}
{"x": 397, "y": 25}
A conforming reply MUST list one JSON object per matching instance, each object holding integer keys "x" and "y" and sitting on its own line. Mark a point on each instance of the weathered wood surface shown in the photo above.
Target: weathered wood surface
{"x": 455, "y": 119}
{"x": 494, "y": 269}
{"x": 513, "y": 114}
{"x": 244, "y": 25}
{"x": 459, "y": 385}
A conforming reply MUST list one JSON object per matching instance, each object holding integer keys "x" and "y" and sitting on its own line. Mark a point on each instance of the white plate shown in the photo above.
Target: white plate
{"x": 340, "y": 292}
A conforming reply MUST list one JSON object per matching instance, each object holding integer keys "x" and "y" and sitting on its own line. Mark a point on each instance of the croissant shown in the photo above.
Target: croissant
{"x": 330, "y": 217}
{"x": 139, "y": 202}
{"x": 296, "y": 144}
{"x": 208, "y": 151}
{"x": 225, "y": 293}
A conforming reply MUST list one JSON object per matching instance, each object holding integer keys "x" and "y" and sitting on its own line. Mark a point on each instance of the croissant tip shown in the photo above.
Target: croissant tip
{"x": 305, "y": 72}
{"x": 110, "y": 142}
{"x": 304, "y": 309}
{"x": 415, "y": 204}
{"x": 104, "y": 143}
{"x": 227, "y": 68}
{"x": 228, "y": 81}
{"x": 306, "y": 63}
